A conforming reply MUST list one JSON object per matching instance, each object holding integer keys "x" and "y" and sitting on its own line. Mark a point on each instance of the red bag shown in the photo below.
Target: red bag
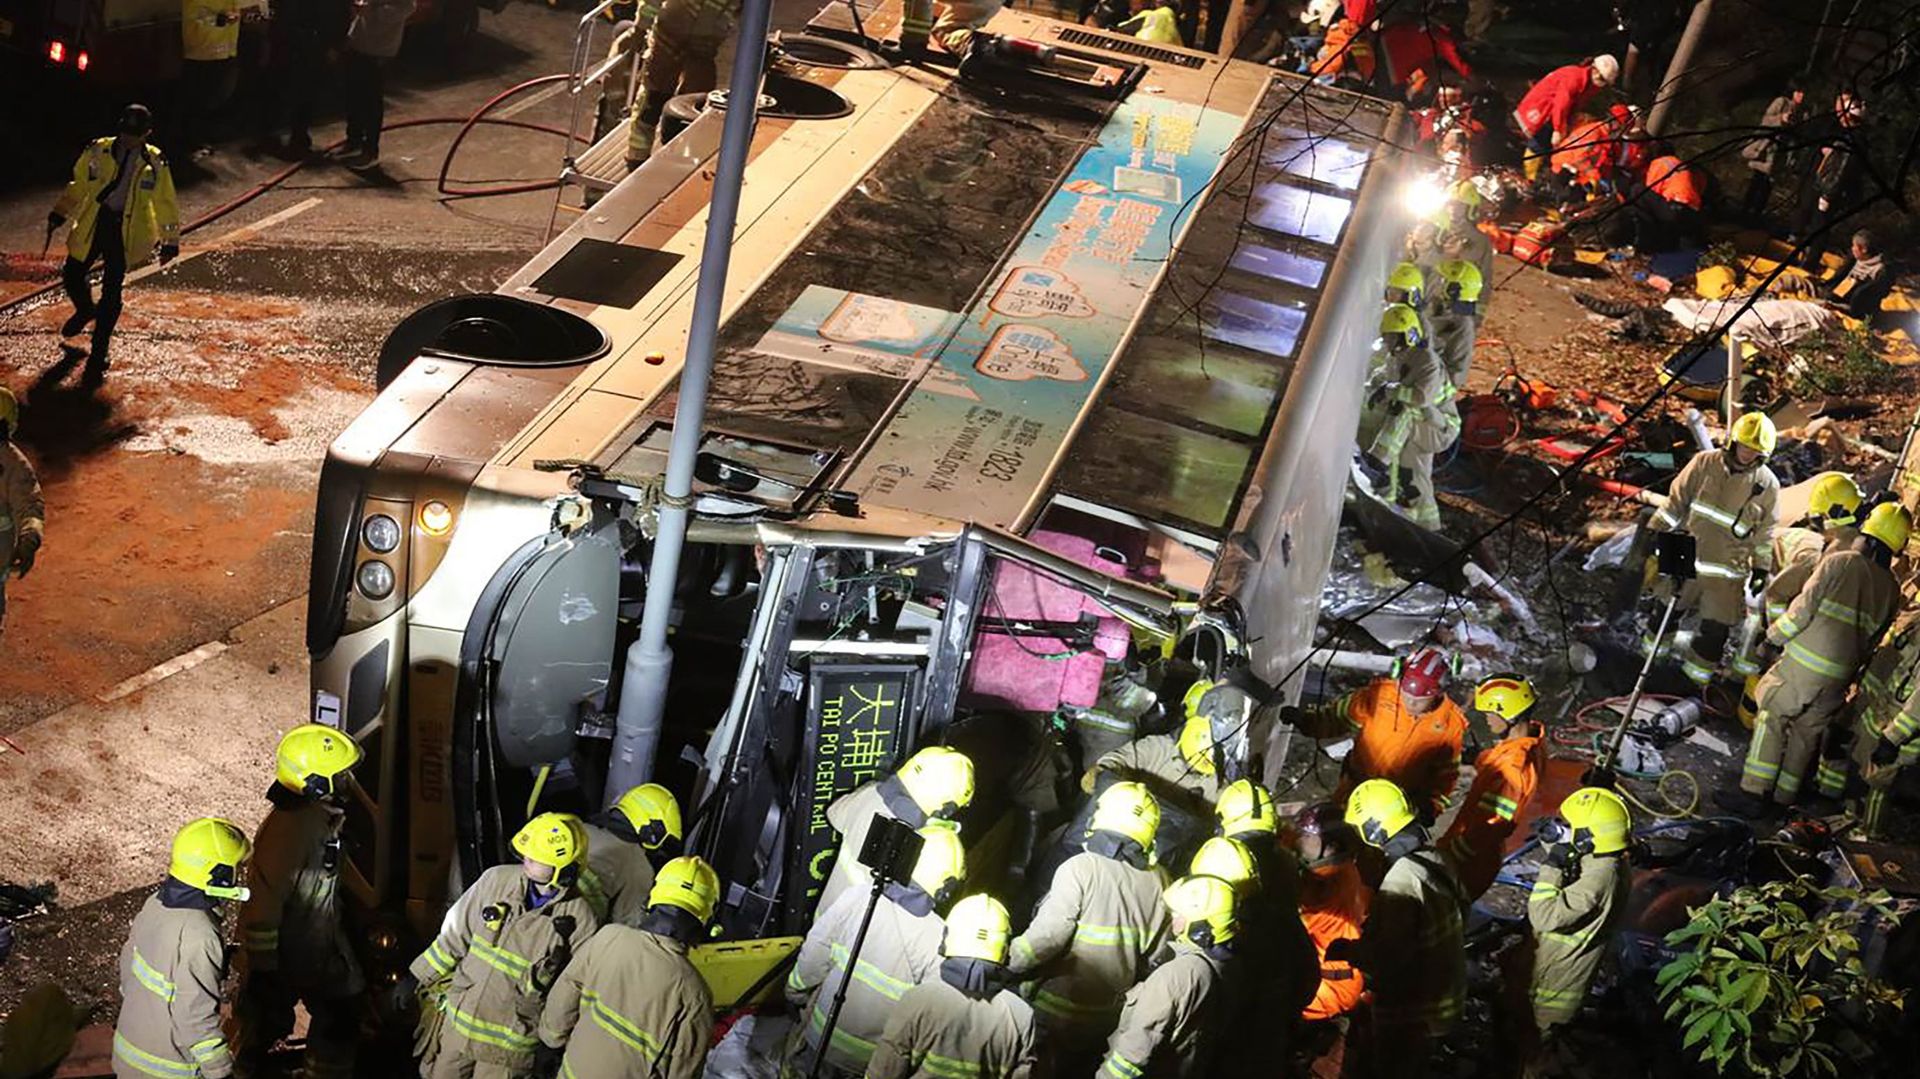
{"x": 1534, "y": 243}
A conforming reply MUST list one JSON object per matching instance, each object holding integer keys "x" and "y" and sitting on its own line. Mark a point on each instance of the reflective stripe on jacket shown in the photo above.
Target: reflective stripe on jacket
{"x": 1092, "y": 937}
{"x": 152, "y": 215}
{"x": 901, "y": 951}
{"x": 851, "y": 815}
{"x": 210, "y": 29}
{"x": 630, "y": 1006}
{"x": 170, "y": 973}
{"x": 1571, "y": 926}
{"x": 291, "y": 921}
{"x": 1171, "y": 1023}
{"x": 1795, "y": 551}
{"x": 1333, "y": 906}
{"x": 1729, "y": 514}
{"x": 1828, "y": 631}
{"x": 938, "y": 1032}
{"x": 1413, "y": 947}
{"x": 619, "y": 878}
{"x": 1503, "y": 781}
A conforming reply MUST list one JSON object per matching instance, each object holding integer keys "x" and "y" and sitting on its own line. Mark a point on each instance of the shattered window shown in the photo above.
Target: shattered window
{"x": 1296, "y": 211}
{"x": 1320, "y": 157}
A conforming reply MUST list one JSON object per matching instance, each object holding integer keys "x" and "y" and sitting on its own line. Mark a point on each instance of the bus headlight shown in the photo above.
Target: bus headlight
{"x": 436, "y": 518}
{"x": 381, "y": 533}
{"x": 375, "y": 579}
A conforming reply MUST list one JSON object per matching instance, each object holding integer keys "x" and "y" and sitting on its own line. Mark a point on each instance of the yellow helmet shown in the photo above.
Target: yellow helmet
{"x": 1508, "y": 696}
{"x": 1229, "y": 860}
{"x": 1755, "y": 431}
{"x": 978, "y": 928}
{"x": 1407, "y": 284}
{"x": 1127, "y": 809}
{"x": 1835, "y": 499}
{"x": 939, "y": 780}
{"x": 1464, "y": 283}
{"x": 9, "y": 410}
{"x": 1378, "y": 810}
{"x": 553, "y": 839}
{"x": 209, "y": 854}
{"x": 1206, "y": 905}
{"x": 1890, "y": 523}
{"x": 1245, "y": 807}
{"x": 1601, "y": 814}
{"x": 312, "y": 757}
{"x": 1466, "y": 194}
{"x": 654, "y": 814}
{"x": 1404, "y": 321}
{"x": 1197, "y": 745}
{"x": 942, "y": 864}
{"x": 689, "y": 883}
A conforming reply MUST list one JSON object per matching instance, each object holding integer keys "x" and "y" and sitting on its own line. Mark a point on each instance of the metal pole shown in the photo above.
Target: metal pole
{"x": 1736, "y": 361}
{"x": 1669, "y": 89}
{"x": 1605, "y": 763}
{"x": 643, "y": 689}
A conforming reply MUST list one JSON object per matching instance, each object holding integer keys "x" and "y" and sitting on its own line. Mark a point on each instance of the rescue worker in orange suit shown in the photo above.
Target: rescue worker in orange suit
{"x": 1545, "y": 114}
{"x": 1582, "y": 164}
{"x": 1665, "y": 212}
{"x": 23, "y": 513}
{"x": 1725, "y": 499}
{"x": 1504, "y": 777}
{"x": 1406, "y": 730}
{"x": 683, "y": 45}
{"x": 1412, "y": 947}
{"x": 291, "y": 928}
{"x": 1826, "y": 637}
{"x": 1333, "y": 906}
{"x": 123, "y": 210}
{"x": 500, "y": 950}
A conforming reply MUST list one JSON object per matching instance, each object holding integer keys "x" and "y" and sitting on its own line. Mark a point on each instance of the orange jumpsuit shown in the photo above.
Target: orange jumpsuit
{"x": 1333, "y": 905}
{"x": 1503, "y": 781}
{"x": 1587, "y": 152}
{"x": 1420, "y": 754}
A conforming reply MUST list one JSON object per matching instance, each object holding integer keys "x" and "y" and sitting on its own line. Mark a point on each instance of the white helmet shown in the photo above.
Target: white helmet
{"x": 1324, "y": 12}
{"x": 1605, "y": 69}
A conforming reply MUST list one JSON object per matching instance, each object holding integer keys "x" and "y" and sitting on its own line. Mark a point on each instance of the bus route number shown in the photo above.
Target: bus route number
{"x": 1002, "y": 465}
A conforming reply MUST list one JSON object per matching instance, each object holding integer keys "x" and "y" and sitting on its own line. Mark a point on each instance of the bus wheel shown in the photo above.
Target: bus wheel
{"x": 680, "y": 110}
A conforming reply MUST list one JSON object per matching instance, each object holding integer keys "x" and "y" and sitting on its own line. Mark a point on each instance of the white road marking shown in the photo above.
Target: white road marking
{"x": 186, "y": 661}
{"x": 531, "y": 100}
{"x": 244, "y": 232}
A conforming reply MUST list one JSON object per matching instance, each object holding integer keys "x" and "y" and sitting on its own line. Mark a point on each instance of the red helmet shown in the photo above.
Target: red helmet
{"x": 1621, "y": 116}
{"x": 1424, "y": 674}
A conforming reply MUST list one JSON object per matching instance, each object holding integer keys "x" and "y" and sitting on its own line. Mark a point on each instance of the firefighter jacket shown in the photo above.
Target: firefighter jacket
{"x": 1572, "y": 921}
{"x": 1333, "y": 906}
{"x": 1091, "y": 938}
{"x": 1730, "y": 515}
{"x": 1671, "y": 179}
{"x": 1503, "y": 781}
{"x": 210, "y": 29}
{"x": 1171, "y": 1022}
{"x": 619, "y": 878}
{"x": 938, "y": 1032}
{"x": 291, "y": 922}
{"x": 1158, "y": 757}
{"x": 1889, "y": 699}
{"x": 24, "y": 512}
{"x": 1468, "y": 243}
{"x": 151, "y": 217}
{"x": 851, "y": 815}
{"x": 170, "y": 974}
{"x": 1421, "y": 412}
{"x": 503, "y": 954}
{"x": 1420, "y": 754}
{"x": 1795, "y": 552}
{"x": 1553, "y": 101}
{"x": 1413, "y": 947}
{"x": 902, "y": 950}
{"x": 1827, "y": 632}
{"x": 630, "y": 1005}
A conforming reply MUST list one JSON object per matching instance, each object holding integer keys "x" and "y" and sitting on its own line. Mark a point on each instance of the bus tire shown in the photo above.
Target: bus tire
{"x": 681, "y": 110}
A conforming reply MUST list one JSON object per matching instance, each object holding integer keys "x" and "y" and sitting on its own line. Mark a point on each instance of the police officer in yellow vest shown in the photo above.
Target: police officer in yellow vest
{"x": 23, "y": 513}
{"x": 174, "y": 961}
{"x": 1826, "y": 637}
{"x": 209, "y": 45}
{"x": 296, "y": 945}
{"x": 121, "y": 203}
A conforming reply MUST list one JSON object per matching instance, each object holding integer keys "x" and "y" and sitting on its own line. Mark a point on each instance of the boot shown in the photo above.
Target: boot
{"x": 76, "y": 322}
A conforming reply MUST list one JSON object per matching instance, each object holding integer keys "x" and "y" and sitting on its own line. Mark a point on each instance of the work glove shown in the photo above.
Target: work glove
{"x": 404, "y": 998}
{"x": 1551, "y": 830}
{"x": 546, "y": 1060}
{"x": 1561, "y": 856}
{"x": 1757, "y": 580}
{"x": 1885, "y": 753}
{"x": 55, "y": 220}
{"x": 169, "y": 252}
{"x": 1292, "y": 715}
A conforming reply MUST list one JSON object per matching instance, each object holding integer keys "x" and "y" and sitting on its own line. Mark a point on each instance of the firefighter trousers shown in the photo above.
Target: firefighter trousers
{"x": 682, "y": 50}
{"x": 1784, "y": 745}
{"x": 457, "y": 1065}
{"x": 1879, "y": 778}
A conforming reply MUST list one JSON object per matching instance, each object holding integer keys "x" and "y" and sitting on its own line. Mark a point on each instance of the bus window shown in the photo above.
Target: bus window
{"x": 1319, "y": 157}
{"x": 1271, "y": 328}
{"x": 1297, "y": 211}
{"x": 1289, "y": 267}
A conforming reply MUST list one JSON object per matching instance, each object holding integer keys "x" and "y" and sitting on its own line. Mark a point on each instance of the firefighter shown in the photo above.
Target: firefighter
{"x": 1405, "y": 728}
{"x": 622, "y": 844}
{"x": 23, "y": 513}
{"x": 121, "y": 203}
{"x": 650, "y": 1011}
{"x": 902, "y": 949}
{"x": 1411, "y": 947}
{"x": 1889, "y": 715}
{"x": 1421, "y": 417}
{"x": 1505, "y": 774}
{"x": 935, "y": 784}
{"x": 1333, "y": 906}
{"x": 964, "y": 1023}
{"x": 174, "y": 961}
{"x": 1459, "y": 236}
{"x": 1193, "y": 762}
{"x": 1170, "y": 1021}
{"x": 1545, "y": 114}
{"x": 682, "y": 46}
{"x": 1725, "y": 499}
{"x": 1832, "y": 522}
{"x": 1454, "y": 316}
{"x": 1826, "y": 635}
{"x": 296, "y": 946}
{"x": 1407, "y": 283}
{"x": 1096, "y": 929}
{"x": 1577, "y": 901}
{"x": 1283, "y": 968}
{"x": 499, "y": 951}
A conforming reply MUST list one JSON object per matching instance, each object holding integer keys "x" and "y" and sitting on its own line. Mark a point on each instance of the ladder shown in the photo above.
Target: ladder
{"x": 595, "y": 157}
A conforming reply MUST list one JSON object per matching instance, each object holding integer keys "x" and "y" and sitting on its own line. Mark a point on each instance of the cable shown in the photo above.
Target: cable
{"x": 1584, "y": 736}
{"x": 479, "y": 117}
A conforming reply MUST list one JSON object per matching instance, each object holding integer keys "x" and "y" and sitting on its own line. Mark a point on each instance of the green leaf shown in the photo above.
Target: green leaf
{"x": 1700, "y": 993}
{"x": 1698, "y": 1028}
{"x": 1753, "y": 944}
{"x": 1743, "y": 1021}
{"x": 1678, "y": 1003}
{"x": 1789, "y": 1062}
{"x": 1722, "y": 1030}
